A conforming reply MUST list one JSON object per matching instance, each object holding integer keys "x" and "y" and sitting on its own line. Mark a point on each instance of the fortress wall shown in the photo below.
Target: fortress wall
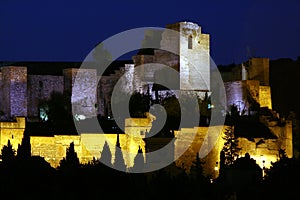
{"x": 46, "y": 148}
{"x": 260, "y": 150}
{"x": 209, "y": 148}
{"x": 142, "y": 72}
{"x": 12, "y": 131}
{"x": 253, "y": 87}
{"x": 285, "y": 138}
{"x": 82, "y": 85}
{"x": 87, "y": 146}
{"x": 265, "y": 97}
{"x": 259, "y": 70}
{"x": 53, "y": 149}
{"x": 137, "y": 126}
{"x": 40, "y": 88}
{"x": 14, "y": 102}
{"x": 288, "y": 139}
{"x": 194, "y": 46}
{"x": 106, "y": 84}
{"x": 237, "y": 93}
{"x": 94, "y": 145}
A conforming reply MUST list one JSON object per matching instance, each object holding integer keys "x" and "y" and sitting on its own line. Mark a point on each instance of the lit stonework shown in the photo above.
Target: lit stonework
{"x": 245, "y": 85}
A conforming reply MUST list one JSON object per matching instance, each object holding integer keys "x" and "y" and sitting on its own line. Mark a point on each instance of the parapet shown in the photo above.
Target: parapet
{"x": 18, "y": 123}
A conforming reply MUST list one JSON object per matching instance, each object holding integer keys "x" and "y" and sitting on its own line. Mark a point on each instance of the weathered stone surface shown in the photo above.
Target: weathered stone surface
{"x": 40, "y": 88}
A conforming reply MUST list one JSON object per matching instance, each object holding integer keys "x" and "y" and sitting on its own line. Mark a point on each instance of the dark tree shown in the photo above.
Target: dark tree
{"x": 196, "y": 170}
{"x": 139, "y": 104}
{"x": 205, "y": 109}
{"x": 173, "y": 110}
{"x": 230, "y": 148}
{"x": 106, "y": 155}
{"x": 119, "y": 162}
{"x": 244, "y": 177}
{"x": 71, "y": 161}
{"x": 24, "y": 149}
{"x": 58, "y": 111}
{"x": 8, "y": 155}
{"x": 139, "y": 162}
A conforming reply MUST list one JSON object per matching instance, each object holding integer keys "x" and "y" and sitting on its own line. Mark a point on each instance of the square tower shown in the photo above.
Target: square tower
{"x": 14, "y": 91}
{"x": 194, "y": 58}
{"x": 81, "y": 87}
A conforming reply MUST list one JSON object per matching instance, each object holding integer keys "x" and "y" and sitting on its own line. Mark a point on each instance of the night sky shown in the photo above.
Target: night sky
{"x": 60, "y": 30}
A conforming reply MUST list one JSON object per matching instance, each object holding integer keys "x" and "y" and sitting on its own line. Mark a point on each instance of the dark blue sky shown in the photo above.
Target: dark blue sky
{"x": 59, "y": 30}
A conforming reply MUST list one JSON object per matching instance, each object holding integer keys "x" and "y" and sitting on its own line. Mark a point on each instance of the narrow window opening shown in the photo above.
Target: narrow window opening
{"x": 190, "y": 42}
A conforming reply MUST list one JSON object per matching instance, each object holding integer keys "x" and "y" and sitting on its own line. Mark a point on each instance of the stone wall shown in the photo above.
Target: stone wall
{"x": 242, "y": 94}
{"x": 265, "y": 99}
{"x": 14, "y": 91}
{"x": 12, "y": 131}
{"x": 184, "y": 48}
{"x": 194, "y": 57}
{"x": 263, "y": 150}
{"x": 40, "y": 88}
{"x": 87, "y": 146}
{"x": 259, "y": 70}
{"x": 81, "y": 86}
{"x": 207, "y": 140}
{"x": 212, "y": 144}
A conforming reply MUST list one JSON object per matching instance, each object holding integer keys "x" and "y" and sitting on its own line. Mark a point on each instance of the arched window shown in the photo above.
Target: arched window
{"x": 190, "y": 42}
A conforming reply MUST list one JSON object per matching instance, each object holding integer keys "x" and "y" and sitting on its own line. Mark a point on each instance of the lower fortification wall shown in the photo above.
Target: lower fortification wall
{"x": 87, "y": 146}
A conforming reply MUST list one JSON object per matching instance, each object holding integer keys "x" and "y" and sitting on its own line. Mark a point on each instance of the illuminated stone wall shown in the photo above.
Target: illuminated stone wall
{"x": 40, "y": 88}
{"x": 265, "y": 99}
{"x": 194, "y": 58}
{"x": 81, "y": 84}
{"x": 264, "y": 151}
{"x": 188, "y": 158}
{"x": 14, "y": 91}
{"x": 192, "y": 61}
{"x": 242, "y": 93}
{"x": 106, "y": 86}
{"x": 12, "y": 131}
{"x": 259, "y": 70}
{"x": 90, "y": 145}
{"x": 87, "y": 147}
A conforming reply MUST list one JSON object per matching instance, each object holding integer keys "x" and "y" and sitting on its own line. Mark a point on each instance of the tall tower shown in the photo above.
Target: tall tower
{"x": 80, "y": 85}
{"x": 14, "y": 91}
{"x": 194, "y": 58}
{"x": 184, "y": 48}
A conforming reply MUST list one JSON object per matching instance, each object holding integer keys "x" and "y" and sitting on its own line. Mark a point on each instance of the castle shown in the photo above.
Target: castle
{"x": 246, "y": 86}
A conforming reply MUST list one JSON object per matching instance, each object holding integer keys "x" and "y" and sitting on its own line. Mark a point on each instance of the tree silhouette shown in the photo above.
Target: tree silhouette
{"x": 139, "y": 161}
{"x": 281, "y": 177}
{"x": 119, "y": 160}
{"x": 8, "y": 155}
{"x": 139, "y": 104}
{"x": 196, "y": 171}
{"x": 244, "y": 177}
{"x": 230, "y": 148}
{"x": 106, "y": 155}
{"x": 71, "y": 161}
{"x": 205, "y": 109}
{"x": 24, "y": 149}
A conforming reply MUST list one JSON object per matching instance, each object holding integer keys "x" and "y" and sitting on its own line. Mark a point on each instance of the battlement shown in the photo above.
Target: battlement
{"x": 19, "y": 123}
{"x": 12, "y": 131}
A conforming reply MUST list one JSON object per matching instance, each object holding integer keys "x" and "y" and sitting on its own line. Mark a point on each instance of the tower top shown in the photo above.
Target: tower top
{"x": 184, "y": 25}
